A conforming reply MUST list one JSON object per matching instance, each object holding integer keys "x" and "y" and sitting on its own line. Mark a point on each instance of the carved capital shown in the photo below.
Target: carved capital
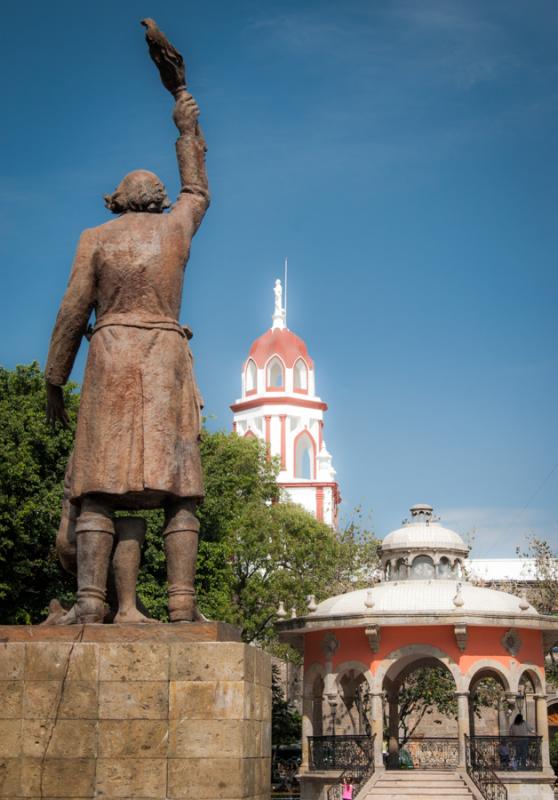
{"x": 373, "y": 636}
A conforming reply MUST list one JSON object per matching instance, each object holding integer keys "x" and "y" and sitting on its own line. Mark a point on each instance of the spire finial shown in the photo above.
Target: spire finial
{"x": 278, "y": 311}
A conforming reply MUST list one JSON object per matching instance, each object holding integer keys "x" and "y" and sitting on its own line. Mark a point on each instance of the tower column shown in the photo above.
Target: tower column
{"x": 283, "y": 418}
{"x": 268, "y": 434}
{"x": 320, "y": 504}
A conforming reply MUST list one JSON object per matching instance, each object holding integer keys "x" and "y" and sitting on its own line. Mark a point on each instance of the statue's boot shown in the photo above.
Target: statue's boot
{"x": 66, "y": 547}
{"x": 130, "y": 534}
{"x": 95, "y": 537}
{"x": 181, "y": 548}
{"x": 56, "y": 612}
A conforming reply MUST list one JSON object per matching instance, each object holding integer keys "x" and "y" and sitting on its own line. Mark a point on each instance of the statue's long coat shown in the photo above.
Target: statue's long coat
{"x": 139, "y": 417}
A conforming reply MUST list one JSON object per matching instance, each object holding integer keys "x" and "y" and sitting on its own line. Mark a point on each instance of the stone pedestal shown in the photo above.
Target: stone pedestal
{"x": 133, "y": 711}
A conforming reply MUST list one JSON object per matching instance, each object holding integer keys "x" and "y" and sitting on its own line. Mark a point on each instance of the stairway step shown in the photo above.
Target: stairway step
{"x": 421, "y": 775}
{"x": 431, "y": 791}
{"x": 391, "y": 796}
{"x": 420, "y": 785}
{"x": 394, "y": 785}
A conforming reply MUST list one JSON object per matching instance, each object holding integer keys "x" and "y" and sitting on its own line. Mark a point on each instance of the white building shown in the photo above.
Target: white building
{"x": 279, "y": 405}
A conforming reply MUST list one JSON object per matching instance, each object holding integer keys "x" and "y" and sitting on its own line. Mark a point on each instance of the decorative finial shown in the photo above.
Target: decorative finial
{"x": 278, "y": 311}
{"x": 369, "y": 599}
{"x": 311, "y": 602}
{"x": 293, "y": 613}
{"x": 524, "y": 604}
{"x": 281, "y": 613}
{"x": 458, "y": 600}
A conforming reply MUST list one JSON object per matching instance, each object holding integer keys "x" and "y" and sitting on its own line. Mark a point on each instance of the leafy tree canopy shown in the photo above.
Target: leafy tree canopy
{"x": 431, "y": 688}
{"x": 286, "y": 721}
{"x": 32, "y": 465}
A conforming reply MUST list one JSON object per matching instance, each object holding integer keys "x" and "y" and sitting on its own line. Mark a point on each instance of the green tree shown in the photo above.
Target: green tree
{"x": 430, "y": 689}
{"x": 32, "y": 464}
{"x": 281, "y": 552}
{"x": 423, "y": 691}
{"x": 543, "y": 592}
{"x": 554, "y": 753}
{"x": 285, "y": 720}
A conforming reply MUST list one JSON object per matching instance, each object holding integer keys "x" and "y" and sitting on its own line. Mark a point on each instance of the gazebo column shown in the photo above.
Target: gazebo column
{"x": 503, "y": 717}
{"x": 542, "y": 729}
{"x": 307, "y": 730}
{"x": 393, "y": 728}
{"x": 511, "y": 709}
{"x": 463, "y": 726}
{"x": 332, "y": 699}
{"x": 377, "y": 709}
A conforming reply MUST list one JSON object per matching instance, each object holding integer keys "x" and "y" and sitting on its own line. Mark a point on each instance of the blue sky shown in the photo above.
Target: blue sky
{"x": 401, "y": 154}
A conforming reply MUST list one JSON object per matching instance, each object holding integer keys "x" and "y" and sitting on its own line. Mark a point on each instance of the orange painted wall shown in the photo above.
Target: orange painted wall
{"x": 482, "y": 643}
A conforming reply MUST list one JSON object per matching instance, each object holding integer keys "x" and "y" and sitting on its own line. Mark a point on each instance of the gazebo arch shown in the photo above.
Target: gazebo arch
{"x": 357, "y": 666}
{"x": 441, "y": 751}
{"x": 396, "y": 661}
{"x": 493, "y": 719}
{"x": 533, "y": 674}
{"x": 350, "y": 677}
{"x": 488, "y": 667}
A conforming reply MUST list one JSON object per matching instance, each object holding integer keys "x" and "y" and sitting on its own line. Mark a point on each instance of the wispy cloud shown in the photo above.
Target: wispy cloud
{"x": 451, "y": 43}
{"x": 401, "y": 79}
{"x": 498, "y": 531}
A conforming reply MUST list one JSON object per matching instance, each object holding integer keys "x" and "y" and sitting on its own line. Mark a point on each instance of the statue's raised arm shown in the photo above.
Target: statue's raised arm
{"x": 190, "y": 146}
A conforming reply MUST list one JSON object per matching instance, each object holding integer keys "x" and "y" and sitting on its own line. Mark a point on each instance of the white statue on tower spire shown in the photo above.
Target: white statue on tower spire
{"x": 279, "y": 311}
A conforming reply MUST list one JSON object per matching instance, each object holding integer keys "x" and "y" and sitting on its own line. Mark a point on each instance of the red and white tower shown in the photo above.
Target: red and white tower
{"x": 279, "y": 406}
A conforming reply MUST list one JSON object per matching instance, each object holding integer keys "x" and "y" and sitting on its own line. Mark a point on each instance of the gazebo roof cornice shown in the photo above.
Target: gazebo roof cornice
{"x": 309, "y": 624}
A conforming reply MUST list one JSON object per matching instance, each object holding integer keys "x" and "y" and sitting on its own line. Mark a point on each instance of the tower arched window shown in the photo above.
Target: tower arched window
{"x": 250, "y": 377}
{"x": 304, "y": 457}
{"x": 300, "y": 376}
{"x": 275, "y": 374}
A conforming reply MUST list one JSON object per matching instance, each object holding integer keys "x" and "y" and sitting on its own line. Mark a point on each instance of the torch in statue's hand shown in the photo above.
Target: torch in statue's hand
{"x": 167, "y": 59}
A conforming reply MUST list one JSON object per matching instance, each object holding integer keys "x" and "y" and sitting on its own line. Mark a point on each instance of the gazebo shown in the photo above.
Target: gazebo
{"x": 359, "y": 648}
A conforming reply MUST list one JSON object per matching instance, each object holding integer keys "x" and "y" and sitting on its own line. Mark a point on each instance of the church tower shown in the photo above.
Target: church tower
{"x": 279, "y": 406}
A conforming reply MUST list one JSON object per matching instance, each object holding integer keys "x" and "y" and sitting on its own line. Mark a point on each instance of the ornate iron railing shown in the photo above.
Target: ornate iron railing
{"x": 428, "y": 752}
{"x": 482, "y": 773}
{"x": 351, "y": 752}
{"x": 509, "y": 753}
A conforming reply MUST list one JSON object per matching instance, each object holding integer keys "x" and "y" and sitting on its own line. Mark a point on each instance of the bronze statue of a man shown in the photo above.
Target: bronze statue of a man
{"x": 136, "y": 444}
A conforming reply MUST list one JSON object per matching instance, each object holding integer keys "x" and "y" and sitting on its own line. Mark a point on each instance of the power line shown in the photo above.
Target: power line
{"x": 535, "y": 493}
{"x": 526, "y": 506}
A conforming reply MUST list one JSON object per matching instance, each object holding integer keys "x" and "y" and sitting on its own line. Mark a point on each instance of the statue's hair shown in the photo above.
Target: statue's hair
{"x": 140, "y": 190}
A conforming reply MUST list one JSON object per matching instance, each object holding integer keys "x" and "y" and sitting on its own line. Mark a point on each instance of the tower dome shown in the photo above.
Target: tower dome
{"x": 423, "y": 548}
{"x": 279, "y": 405}
{"x": 281, "y": 342}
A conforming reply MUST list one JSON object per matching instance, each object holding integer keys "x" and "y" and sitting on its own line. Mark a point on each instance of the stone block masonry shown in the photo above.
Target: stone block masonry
{"x": 133, "y": 711}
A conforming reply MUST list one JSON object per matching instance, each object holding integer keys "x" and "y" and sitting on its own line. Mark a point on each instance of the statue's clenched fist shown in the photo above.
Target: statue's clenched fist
{"x": 186, "y": 112}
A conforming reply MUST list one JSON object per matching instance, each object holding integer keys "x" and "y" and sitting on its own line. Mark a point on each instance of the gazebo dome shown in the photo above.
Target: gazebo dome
{"x": 424, "y": 598}
{"x": 423, "y": 548}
